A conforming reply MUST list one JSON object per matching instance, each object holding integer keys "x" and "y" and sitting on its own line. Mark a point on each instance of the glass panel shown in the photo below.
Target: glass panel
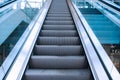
{"x": 10, "y": 42}
{"x": 5, "y": 11}
{"x": 28, "y": 9}
{"x": 31, "y": 7}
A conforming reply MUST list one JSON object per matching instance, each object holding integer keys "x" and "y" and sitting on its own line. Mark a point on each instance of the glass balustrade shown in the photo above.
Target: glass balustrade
{"x": 28, "y": 8}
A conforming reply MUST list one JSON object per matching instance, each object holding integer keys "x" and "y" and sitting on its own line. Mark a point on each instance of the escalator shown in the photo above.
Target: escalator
{"x": 58, "y": 53}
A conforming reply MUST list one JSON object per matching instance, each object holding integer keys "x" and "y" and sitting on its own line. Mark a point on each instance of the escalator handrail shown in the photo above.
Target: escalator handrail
{"x": 109, "y": 67}
{"x": 17, "y": 70}
{"x": 111, "y": 4}
{"x": 93, "y": 60}
{"x": 117, "y": 12}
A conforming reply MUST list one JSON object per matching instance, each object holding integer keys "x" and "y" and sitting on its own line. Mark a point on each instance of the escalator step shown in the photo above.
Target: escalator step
{"x": 58, "y": 62}
{"x": 59, "y": 12}
{"x": 58, "y": 41}
{"x": 54, "y": 10}
{"x": 58, "y": 15}
{"x": 59, "y": 33}
{"x": 60, "y": 8}
{"x": 49, "y": 22}
{"x": 58, "y": 27}
{"x": 58, "y": 50}
{"x": 54, "y": 74}
{"x": 59, "y": 18}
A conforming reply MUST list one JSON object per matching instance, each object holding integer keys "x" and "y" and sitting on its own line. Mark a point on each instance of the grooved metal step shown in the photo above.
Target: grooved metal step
{"x": 58, "y": 50}
{"x": 58, "y": 15}
{"x": 58, "y": 41}
{"x": 58, "y": 27}
{"x": 59, "y": 18}
{"x": 58, "y": 62}
{"x": 49, "y": 22}
{"x": 58, "y": 74}
{"x": 59, "y": 33}
{"x": 59, "y": 12}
